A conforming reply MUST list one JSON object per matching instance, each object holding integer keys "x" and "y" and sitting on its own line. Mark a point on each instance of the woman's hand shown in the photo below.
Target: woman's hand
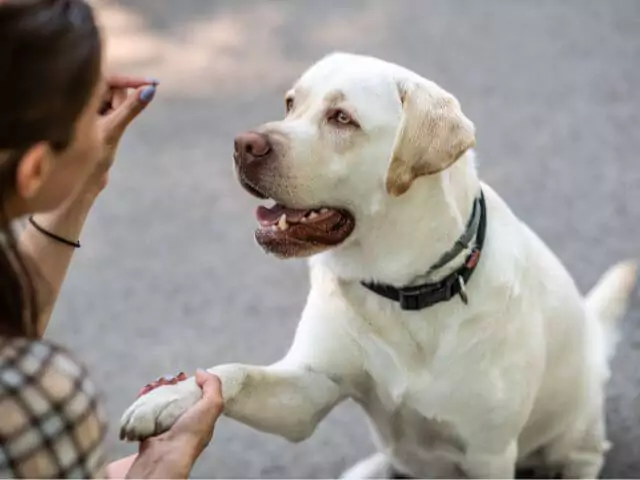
{"x": 123, "y": 101}
{"x": 173, "y": 453}
{"x": 195, "y": 427}
{"x": 119, "y": 108}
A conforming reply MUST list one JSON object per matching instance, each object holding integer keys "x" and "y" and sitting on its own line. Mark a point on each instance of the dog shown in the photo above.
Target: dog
{"x": 432, "y": 306}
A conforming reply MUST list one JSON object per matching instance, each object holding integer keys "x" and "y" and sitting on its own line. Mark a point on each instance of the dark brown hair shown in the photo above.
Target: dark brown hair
{"x": 50, "y": 56}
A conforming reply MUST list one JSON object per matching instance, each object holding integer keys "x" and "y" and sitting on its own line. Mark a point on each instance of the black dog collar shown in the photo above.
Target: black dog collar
{"x": 419, "y": 297}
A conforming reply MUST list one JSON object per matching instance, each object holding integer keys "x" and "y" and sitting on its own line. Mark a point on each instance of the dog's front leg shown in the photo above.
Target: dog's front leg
{"x": 286, "y": 400}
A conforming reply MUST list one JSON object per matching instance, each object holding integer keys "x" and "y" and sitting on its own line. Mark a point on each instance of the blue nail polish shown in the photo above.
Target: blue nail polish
{"x": 147, "y": 94}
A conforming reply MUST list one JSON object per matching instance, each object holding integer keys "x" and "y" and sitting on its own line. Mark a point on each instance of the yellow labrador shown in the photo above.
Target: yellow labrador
{"x": 432, "y": 305}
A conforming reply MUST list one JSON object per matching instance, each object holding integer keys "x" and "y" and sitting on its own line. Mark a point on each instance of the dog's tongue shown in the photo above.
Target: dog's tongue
{"x": 270, "y": 216}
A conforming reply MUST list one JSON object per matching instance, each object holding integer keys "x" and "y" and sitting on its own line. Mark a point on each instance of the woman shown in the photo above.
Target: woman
{"x": 60, "y": 124}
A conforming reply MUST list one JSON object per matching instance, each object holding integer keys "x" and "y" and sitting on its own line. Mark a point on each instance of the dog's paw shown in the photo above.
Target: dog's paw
{"x": 155, "y": 412}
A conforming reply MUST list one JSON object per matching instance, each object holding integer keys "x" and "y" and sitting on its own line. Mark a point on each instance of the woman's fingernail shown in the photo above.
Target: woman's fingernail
{"x": 148, "y": 93}
{"x": 153, "y": 81}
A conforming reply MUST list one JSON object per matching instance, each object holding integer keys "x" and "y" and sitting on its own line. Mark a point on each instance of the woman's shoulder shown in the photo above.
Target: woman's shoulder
{"x": 52, "y": 422}
{"x": 34, "y": 357}
{"x": 50, "y": 369}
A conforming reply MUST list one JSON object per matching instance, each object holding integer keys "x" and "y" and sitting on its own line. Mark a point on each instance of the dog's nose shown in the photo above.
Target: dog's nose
{"x": 252, "y": 146}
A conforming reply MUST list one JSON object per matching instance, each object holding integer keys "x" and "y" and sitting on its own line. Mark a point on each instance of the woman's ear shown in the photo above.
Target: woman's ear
{"x": 33, "y": 169}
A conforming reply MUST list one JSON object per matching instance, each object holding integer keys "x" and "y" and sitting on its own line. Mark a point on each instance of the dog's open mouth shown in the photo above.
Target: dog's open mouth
{"x": 298, "y": 232}
{"x": 289, "y": 232}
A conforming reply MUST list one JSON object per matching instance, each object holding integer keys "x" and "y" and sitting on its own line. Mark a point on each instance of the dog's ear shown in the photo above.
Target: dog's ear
{"x": 433, "y": 134}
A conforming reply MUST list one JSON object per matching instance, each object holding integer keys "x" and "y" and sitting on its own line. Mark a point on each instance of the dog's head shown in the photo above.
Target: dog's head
{"x": 357, "y": 132}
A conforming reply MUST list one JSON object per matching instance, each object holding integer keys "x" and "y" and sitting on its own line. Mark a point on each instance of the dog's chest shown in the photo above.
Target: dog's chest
{"x": 409, "y": 357}
{"x": 409, "y": 378}
{"x": 408, "y": 408}
{"x": 425, "y": 447}
{"x": 409, "y": 395}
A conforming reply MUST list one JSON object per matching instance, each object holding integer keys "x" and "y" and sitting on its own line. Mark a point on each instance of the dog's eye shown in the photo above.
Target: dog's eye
{"x": 288, "y": 104}
{"x": 341, "y": 117}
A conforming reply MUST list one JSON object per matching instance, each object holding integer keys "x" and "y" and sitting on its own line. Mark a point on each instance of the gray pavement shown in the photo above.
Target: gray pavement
{"x": 169, "y": 277}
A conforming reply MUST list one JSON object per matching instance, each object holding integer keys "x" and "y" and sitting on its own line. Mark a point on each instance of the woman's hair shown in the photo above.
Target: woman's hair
{"x": 50, "y": 59}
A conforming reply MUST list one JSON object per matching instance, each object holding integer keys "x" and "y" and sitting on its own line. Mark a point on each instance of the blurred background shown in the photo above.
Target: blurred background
{"x": 169, "y": 277}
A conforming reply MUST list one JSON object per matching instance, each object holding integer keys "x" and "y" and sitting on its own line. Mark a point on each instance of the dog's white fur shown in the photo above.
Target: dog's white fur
{"x": 516, "y": 376}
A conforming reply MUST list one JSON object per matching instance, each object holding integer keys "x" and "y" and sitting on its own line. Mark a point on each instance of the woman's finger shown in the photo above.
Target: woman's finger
{"x": 123, "y": 81}
{"x": 211, "y": 405}
{"x": 112, "y": 99}
{"x": 210, "y": 385}
{"x": 117, "y": 120}
{"x": 118, "y": 98}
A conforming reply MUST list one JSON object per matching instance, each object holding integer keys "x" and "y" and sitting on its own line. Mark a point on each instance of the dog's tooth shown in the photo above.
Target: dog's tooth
{"x": 313, "y": 215}
{"x": 282, "y": 223}
{"x": 324, "y": 210}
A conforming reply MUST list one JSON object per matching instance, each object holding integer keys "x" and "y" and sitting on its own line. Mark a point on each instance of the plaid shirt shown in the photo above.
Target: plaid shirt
{"x": 51, "y": 422}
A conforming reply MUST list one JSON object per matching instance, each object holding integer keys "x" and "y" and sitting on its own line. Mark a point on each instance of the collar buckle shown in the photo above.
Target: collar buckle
{"x": 424, "y": 296}
{"x": 412, "y": 301}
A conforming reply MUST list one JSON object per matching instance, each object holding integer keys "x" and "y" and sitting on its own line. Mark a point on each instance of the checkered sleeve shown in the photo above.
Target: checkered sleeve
{"x": 52, "y": 424}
